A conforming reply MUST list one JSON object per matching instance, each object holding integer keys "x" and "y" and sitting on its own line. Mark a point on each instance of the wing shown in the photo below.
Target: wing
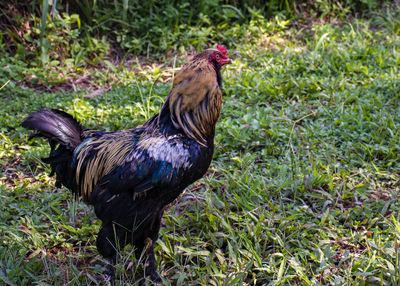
{"x": 99, "y": 154}
{"x": 156, "y": 163}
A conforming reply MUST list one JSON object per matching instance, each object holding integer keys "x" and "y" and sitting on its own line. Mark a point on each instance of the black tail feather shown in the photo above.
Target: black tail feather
{"x": 55, "y": 125}
{"x": 64, "y": 135}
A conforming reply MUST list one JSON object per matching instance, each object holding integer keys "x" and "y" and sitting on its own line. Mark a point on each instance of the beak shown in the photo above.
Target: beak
{"x": 226, "y": 61}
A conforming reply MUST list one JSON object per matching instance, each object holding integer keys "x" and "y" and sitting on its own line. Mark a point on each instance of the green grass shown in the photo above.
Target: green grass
{"x": 303, "y": 189}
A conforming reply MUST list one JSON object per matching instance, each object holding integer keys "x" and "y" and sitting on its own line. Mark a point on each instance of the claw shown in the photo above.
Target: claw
{"x": 150, "y": 264}
{"x": 155, "y": 277}
{"x": 109, "y": 274}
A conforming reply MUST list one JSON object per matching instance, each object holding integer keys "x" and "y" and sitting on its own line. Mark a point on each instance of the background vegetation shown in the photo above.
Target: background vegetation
{"x": 304, "y": 186}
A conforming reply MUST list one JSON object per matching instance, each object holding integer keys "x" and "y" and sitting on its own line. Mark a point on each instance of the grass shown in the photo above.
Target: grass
{"x": 303, "y": 188}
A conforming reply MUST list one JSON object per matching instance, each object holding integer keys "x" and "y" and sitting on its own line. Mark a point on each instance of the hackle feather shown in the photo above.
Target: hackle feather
{"x": 195, "y": 99}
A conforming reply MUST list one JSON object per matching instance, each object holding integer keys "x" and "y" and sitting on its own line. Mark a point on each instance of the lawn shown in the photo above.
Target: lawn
{"x": 303, "y": 188}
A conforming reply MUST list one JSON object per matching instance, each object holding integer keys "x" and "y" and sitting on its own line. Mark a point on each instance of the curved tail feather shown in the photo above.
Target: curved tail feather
{"x": 60, "y": 129}
{"x": 55, "y": 125}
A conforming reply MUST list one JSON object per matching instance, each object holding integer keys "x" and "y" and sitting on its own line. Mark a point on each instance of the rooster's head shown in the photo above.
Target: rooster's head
{"x": 218, "y": 57}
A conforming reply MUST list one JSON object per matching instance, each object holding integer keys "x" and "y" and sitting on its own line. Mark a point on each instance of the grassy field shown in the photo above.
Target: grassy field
{"x": 303, "y": 189}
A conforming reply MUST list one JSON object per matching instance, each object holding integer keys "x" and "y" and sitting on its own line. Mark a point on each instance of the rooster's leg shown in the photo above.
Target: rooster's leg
{"x": 146, "y": 250}
{"x": 109, "y": 272}
{"x": 150, "y": 262}
{"x": 108, "y": 248}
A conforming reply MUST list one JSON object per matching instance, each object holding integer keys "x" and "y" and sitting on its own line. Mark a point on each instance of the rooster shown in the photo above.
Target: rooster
{"x": 130, "y": 176}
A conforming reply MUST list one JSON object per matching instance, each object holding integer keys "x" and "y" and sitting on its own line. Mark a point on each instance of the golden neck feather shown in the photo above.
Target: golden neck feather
{"x": 195, "y": 100}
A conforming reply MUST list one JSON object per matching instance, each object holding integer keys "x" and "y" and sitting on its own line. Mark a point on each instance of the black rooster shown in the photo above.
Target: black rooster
{"x": 129, "y": 176}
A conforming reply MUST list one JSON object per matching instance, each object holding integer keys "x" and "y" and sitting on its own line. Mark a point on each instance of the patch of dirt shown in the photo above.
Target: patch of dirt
{"x": 380, "y": 195}
{"x": 343, "y": 246}
{"x": 347, "y": 204}
{"x": 80, "y": 256}
{"x": 16, "y": 171}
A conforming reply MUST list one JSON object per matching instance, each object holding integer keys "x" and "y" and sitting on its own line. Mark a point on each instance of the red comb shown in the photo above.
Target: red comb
{"x": 222, "y": 50}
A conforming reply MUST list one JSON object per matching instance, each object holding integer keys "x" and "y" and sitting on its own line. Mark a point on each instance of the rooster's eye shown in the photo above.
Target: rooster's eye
{"x": 216, "y": 56}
